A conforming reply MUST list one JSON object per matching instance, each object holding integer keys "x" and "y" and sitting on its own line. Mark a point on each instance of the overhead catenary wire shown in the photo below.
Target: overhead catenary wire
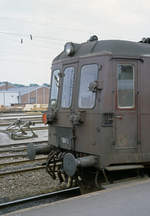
{"x": 41, "y": 42}
{"x": 35, "y": 50}
{"x": 38, "y": 42}
{"x": 31, "y": 36}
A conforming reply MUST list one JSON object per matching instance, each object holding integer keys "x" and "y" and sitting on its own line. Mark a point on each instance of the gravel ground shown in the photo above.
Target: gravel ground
{"x": 17, "y": 186}
{"x": 26, "y": 184}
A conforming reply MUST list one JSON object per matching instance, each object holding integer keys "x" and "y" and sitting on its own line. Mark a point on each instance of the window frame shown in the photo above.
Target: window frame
{"x": 57, "y": 101}
{"x": 80, "y": 70}
{"x": 69, "y": 66}
{"x": 134, "y": 88}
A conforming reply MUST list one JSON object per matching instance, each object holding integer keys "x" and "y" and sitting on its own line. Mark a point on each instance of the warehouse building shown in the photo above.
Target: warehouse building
{"x": 5, "y": 86}
{"x": 7, "y": 98}
{"x": 34, "y": 95}
{"x": 25, "y": 95}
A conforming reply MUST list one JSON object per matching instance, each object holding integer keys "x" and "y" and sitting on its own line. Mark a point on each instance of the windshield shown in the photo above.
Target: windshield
{"x": 89, "y": 74}
{"x": 54, "y": 88}
{"x": 67, "y": 87}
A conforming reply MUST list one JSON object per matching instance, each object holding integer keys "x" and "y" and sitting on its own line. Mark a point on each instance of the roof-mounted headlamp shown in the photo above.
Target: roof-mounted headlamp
{"x": 69, "y": 49}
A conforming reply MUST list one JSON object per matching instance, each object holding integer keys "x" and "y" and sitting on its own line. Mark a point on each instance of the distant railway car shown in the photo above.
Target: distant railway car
{"x": 99, "y": 110}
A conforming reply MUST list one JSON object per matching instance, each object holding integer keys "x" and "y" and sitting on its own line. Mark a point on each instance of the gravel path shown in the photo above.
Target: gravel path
{"x": 26, "y": 184}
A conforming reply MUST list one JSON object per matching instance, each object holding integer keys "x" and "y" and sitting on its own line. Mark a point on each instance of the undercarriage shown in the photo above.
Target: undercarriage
{"x": 87, "y": 178}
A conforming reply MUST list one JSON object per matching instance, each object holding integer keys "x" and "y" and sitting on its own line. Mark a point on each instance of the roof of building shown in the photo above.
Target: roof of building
{"x": 25, "y": 90}
{"x": 115, "y": 47}
{"x": 2, "y": 84}
{"x": 5, "y": 83}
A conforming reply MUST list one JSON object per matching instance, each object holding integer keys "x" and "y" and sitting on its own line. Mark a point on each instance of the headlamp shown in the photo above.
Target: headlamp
{"x": 69, "y": 49}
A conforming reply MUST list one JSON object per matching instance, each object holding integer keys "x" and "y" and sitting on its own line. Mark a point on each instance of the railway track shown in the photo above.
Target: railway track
{"x": 12, "y": 164}
{"x": 13, "y": 128}
{"x": 21, "y": 170}
{"x": 15, "y": 167}
{"x": 47, "y": 198}
{"x": 22, "y": 144}
{"x": 4, "y": 121}
{"x": 14, "y": 117}
{"x": 34, "y": 128}
{"x": 7, "y": 124}
{"x": 13, "y": 159}
{"x": 17, "y": 114}
{"x": 18, "y": 147}
{"x": 39, "y": 199}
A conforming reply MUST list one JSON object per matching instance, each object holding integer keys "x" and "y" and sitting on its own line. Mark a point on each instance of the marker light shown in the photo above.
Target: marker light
{"x": 44, "y": 118}
{"x": 69, "y": 49}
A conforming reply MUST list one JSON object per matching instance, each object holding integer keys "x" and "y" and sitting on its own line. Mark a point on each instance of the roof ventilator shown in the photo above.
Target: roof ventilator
{"x": 93, "y": 38}
{"x": 145, "y": 40}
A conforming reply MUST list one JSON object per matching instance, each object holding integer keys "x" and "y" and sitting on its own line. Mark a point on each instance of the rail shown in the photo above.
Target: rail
{"x": 35, "y": 128}
{"x": 13, "y": 159}
{"x": 22, "y": 170}
{"x": 39, "y": 199}
{"x": 7, "y": 124}
{"x": 12, "y": 163}
{"x": 23, "y": 143}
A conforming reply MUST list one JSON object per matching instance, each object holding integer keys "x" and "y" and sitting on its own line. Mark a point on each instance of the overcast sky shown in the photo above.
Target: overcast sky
{"x": 54, "y": 22}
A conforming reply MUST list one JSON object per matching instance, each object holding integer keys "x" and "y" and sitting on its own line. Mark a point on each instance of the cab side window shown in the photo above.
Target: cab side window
{"x": 125, "y": 86}
{"x": 54, "y": 88}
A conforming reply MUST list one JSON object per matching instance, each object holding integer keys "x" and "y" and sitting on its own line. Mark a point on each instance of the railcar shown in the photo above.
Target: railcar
{"x": 99, "y": 110}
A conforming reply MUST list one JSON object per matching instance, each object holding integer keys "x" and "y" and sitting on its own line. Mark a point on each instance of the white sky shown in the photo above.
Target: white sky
{"x": 54, "y": 22}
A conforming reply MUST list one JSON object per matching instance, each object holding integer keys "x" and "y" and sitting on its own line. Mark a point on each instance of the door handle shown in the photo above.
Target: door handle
{"x": 120, "y": 117}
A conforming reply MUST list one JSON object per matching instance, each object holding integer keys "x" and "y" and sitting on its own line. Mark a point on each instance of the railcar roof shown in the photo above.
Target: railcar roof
{"x": 116, "y": 47}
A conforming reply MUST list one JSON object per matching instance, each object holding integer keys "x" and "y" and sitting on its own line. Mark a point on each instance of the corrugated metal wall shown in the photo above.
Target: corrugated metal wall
{"x": 7, "y": 98}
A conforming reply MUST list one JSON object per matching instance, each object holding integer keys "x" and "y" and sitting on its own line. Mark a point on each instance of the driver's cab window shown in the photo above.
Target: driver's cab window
{"x": 89, "y": 74}
{"x": 68, "y": 78}
{"x": 54, "y": 88}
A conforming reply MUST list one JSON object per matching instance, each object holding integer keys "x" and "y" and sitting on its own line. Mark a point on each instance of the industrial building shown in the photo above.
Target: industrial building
{"x": 7, "y": 98}
{"x": 33, "y": 95}
{"x": 24, "y": 95}
{"x": 5, "y": 86}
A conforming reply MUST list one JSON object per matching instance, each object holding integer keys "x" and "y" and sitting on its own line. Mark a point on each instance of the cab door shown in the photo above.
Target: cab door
{"x": 62, "y": 130}
{"x": 126, "y": 110}
{"x": 86, "y": 105}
